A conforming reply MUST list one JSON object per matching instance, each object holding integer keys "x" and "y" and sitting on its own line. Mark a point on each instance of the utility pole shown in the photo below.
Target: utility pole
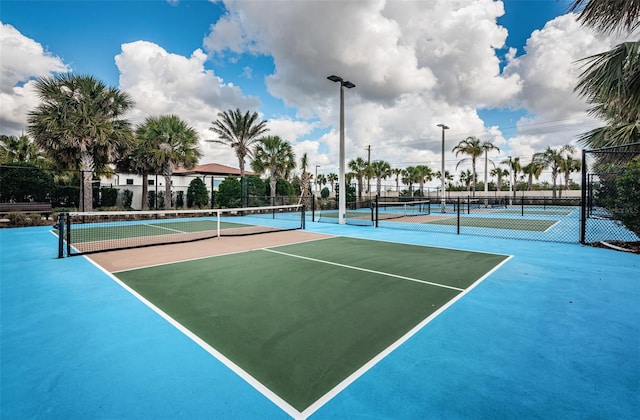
{"x": 368, "y": 170}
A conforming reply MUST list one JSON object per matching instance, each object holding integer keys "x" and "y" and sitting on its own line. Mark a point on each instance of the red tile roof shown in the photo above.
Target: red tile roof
{"x": 210, "y": 169}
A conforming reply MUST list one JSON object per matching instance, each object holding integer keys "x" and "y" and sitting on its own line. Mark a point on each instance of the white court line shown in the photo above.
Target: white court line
{"x": 165, "y": 228}
{"x": 364, "y": 269}
{"x": 273, "y": 397}
{"x": 384, "y": 353}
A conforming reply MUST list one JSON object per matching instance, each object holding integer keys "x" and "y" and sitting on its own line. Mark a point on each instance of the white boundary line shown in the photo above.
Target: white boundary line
{"x": 363, "y": 269}
{"x": 374, "y": 361}
{"x": 214, "y": 256}
{"x": 273, "y": 397}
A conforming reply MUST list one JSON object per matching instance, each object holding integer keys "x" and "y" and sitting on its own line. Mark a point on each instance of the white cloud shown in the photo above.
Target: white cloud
{"x": 163, "y": 83}
{"x": 21, "y": 60}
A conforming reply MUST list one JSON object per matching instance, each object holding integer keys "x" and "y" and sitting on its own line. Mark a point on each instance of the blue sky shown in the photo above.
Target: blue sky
{"x": 501, "y": 71}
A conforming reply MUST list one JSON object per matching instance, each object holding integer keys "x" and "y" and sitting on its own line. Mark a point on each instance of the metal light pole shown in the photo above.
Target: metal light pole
{"x": 316, "y": 178}
{"x": 442, "y": 193}
{"x": 342, "y": 205}
{"x": 510, "y": 182}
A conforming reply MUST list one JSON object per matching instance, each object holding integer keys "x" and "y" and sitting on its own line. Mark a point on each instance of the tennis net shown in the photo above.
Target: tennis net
{"x": 393, "y": 210}
{"x": 90, "y": 232}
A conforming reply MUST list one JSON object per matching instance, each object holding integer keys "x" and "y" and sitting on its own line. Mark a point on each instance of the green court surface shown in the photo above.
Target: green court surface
{"x": 535, "y": 212}
{"x": 150, "y": 228}
{"x": 537, "y": 225}
{"x": 301, "y": 318}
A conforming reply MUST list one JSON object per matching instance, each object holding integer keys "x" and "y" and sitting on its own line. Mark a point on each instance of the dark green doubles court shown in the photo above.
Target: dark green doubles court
{"x": 302, "y": 318}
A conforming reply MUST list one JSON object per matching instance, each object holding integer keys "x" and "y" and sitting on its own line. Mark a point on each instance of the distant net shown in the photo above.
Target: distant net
{"x": 394, "y": 210}
{"x": 90, "y": 232}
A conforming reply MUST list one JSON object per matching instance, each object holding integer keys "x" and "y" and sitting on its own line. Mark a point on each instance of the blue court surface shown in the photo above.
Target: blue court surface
{"x": 554, "y": 333}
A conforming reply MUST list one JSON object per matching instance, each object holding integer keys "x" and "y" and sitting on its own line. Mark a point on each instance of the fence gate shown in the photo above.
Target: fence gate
{"x": 611, "y": 197}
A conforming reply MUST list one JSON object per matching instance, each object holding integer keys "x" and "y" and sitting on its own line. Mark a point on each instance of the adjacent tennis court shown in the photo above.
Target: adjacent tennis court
{"x": 302, "y": 318}
{"x": 537, "y": 225}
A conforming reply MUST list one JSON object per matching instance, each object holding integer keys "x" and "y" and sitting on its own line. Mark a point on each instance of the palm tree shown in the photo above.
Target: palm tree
{"x": 397, "y": 172}
{"x": 321, "y": 180}
{"x": 410, "y": 176}
{"x": 552, "y": 159}
{"x": 533, "y": 169}
{"x": 358, "y": 167}
{"x": 332, "y": 178}
{"x": 424, "y": 174}
{"x": 138, "y": 160}
{"x": 381, "y": 170}
{"x": 486, "y": 146}
{"x": 273, "y": 155}
{"x": 175, "y": 144}
{"x": 240, "y": 131}
{"x": 466, "y": 178}
{"x": 515, "y": 168}
{"x": 499, "y": 173}
{"x": 568, "y": 165}
{"x": 473, "y": 147}
{"x": 611, "y": 80}
{"x": 78, "y": 123}
{"x": 448, "y": 178}
{"x": 608, "y": 15}
{"x": 305, "y": 187}
{"x": 19, "y": 149}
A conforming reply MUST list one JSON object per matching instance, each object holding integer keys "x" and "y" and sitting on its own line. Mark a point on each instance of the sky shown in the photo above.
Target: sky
{"x": 502, "y": 71}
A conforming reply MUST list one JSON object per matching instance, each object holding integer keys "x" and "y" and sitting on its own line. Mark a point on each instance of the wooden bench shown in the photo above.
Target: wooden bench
{"x": 27, "y": 207}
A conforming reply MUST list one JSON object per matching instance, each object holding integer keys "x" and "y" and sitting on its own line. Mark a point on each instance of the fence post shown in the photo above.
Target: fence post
{"x": 522, "y": 206}
{"x": 458, "y": 224}
{"x": 583, "y": 212}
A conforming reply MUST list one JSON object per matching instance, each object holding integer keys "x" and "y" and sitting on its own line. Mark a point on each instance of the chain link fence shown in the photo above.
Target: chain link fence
{"x": 611, "y": 196}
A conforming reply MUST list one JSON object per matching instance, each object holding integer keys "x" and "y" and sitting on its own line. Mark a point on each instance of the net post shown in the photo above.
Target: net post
{"x": 377, "y": 208}
{"x": 302, "y": 216}
{"x": 60, "y": 227}
{"x": 458, "y": 224}
{"x": 68, "y": 233}
{"x": 218, "y": 224}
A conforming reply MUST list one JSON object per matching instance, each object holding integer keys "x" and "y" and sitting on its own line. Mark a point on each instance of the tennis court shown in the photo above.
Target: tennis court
{"x": 302, "y": 318}
{"x": 551, "y": 332}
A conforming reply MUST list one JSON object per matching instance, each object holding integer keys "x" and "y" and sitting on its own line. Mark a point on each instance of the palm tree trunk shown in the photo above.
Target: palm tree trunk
{"x": 167, "y": 192}
{"x": 272, "y": 186}
{"x": 145, "y": 192}
{"x": 86, "y": 170}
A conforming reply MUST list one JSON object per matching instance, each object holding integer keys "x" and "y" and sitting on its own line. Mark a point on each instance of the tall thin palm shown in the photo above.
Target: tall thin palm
{"x": 176, "y": 143}
{"x": 515, "y": 167}
{"x": 275, "y": 156}
{"x": 486, "y": 146}
{"x": 79, "y": 124}
{"x": 138, "y": 160}
{"x": 471, "y": 146}
{"x": 410, "y": 176}
{"x": 532, "y": 169}
{"x": 568, "y": 165}
{"x": 499, "y": 173}
{"x": 332, "y": 178}
{"x": 359, "y": 168}
{"x": 424, "y": 174}
{"x": 552, "y": 159}
{"x": 380, "y": 169}
{"x": 397, "y": 172}
{"x": 240, "y": 131}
